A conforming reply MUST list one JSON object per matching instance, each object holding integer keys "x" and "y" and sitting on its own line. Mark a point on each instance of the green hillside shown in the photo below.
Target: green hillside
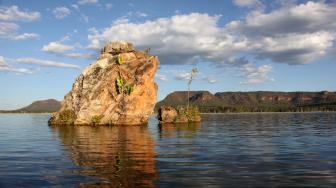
{"x": 257, "y": 101}
{"x": 42, "y": 106}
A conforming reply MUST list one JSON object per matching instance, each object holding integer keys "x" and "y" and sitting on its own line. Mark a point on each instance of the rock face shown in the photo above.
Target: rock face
{"x": 117, "y": 89}
{"x": 167, "y": 114}
{"x": 171, "y": 115}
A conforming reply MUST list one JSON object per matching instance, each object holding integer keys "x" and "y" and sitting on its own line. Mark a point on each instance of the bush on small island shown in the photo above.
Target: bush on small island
{"x": 180, "y": 114}
{"x": 189, "y": 114}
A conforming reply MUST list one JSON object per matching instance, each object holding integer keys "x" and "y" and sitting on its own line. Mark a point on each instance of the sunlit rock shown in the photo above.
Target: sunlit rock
{"x": 168, "y": 115}
{"x": 117, "y": 89}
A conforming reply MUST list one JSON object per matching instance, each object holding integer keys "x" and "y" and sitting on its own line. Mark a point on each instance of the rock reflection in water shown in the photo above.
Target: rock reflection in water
{"x": 187, "y": 130}
{"x": 120, "y": 156}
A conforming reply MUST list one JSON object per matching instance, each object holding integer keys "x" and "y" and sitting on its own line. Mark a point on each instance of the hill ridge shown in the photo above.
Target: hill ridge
{"x": 254, "y": 101}
{"x": 39, "y": 106}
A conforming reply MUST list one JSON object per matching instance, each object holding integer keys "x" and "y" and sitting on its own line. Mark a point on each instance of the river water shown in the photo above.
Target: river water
{"x": 225, "y": 150}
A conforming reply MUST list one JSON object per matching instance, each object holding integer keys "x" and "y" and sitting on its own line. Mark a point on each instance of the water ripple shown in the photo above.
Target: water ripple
{"x": 225, "y": 150}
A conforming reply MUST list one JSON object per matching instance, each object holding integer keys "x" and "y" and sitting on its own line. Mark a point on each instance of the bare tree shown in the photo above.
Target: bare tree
{"x": 193, "y": 72}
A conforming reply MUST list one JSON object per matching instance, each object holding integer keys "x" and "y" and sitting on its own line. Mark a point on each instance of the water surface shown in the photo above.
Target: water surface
{"x": 225, "y": 150}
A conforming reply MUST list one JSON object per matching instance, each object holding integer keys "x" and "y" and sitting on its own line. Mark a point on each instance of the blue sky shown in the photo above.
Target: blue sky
{"x": 239, "y": 45}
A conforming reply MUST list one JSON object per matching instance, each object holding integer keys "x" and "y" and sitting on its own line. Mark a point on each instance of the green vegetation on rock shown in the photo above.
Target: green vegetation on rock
{"x": 67, "y": 117}
{"x": 123, "y": 88}
{"x": 95, "y": 120}
{"x": 180, "y": 114}
{"x": 120, "y": 60}
{"x": 187, "y": 114}
{"x": 121, "y": 85}
{"x": 129, "y": 89}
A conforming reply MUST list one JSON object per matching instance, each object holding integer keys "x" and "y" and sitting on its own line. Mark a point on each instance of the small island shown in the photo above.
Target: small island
{"x": 178, "y": 115}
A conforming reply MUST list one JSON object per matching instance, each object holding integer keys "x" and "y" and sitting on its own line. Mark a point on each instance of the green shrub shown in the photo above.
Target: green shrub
{"x": 96, "y": 119}
{"x": 190, "y": 113}
{"x": 129, "y": 89}
{"x": 122, "y": 87}
{"x": 67, "y": 117}
{"x": 120, "y": 60}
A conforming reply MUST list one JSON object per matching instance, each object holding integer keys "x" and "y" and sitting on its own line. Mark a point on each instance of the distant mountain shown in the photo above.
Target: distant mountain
{"x": 257, "y": 101}
{"x": 49, "y": 105}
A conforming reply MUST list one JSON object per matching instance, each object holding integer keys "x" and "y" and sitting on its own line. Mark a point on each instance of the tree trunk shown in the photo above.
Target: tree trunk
{"x": 188, "y": 96}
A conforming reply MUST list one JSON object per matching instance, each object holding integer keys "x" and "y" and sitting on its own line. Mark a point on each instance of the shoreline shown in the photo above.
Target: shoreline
{"x": 211, "y": 113}
{"x": 270, "y": 112}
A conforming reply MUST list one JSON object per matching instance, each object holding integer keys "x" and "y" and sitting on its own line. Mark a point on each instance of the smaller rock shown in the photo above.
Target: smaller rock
{"x": 168, "y": 114}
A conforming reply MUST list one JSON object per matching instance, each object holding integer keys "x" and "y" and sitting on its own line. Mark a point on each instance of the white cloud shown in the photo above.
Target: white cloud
{"x": 295, "y": 48}
{"x": 85, "y": 18}
{"x": 87, "y": 2}
{"x": 303, "y": 18}
{"x": 75, "y": 6}
{"x": 5, "y": 68}
{"x": 61, "y": 12}
{"x": 15, "y": 70}
{"x": 2, "y": 61}
{"x": 161, "y": 77}
{"x": 57, "y": 47}
{"x": 136, "y": 14}
{"x": 294, "y": 34}
{"x": 26, "y": 36}
{"x": 79, "y": 56}
{"x": 65, "y": 38}
{"x": 29, "y": 60}
{"x": 108, "y": 6}
{"x": 7, "y": 28}
{"x": 237, "y": 61}
{"x": 13, "y": 13}
{"x": 291, "y": 34}
{"x": 255, "y": 75}
{"x": 179, "y": 39}
{"x": 211, "y": 79}
{"x": 183, "y": 75}
{"x": 247, "y": 3}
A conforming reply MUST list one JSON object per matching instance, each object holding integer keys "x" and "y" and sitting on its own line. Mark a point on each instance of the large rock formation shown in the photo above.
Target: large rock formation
{"x": 118, "y": 88}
